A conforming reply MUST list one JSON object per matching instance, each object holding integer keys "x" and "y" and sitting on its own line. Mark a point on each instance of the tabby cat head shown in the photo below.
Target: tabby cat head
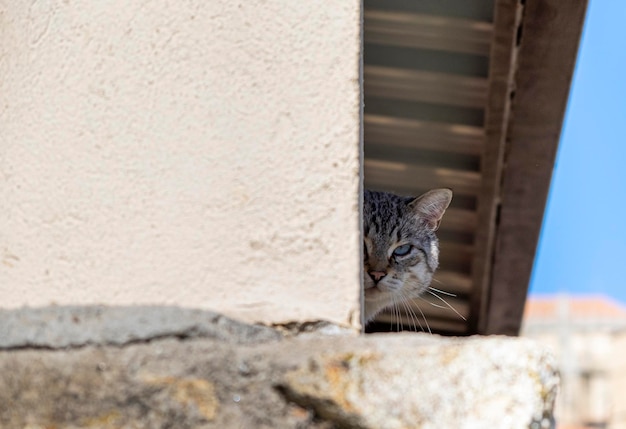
{"x": 401, "y": 251}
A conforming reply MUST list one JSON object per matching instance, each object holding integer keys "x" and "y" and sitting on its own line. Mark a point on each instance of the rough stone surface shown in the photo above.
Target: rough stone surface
{"x": 231, "y": 375}
{"x": 409, "y": 380}
{"x": 71, "y": 326}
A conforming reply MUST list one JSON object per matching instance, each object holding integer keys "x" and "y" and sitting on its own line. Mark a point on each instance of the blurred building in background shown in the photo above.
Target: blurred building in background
{"x": 588, "y": 337}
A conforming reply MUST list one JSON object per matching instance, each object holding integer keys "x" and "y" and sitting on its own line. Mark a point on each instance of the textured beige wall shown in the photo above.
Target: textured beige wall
{"x": 197, "y": 153}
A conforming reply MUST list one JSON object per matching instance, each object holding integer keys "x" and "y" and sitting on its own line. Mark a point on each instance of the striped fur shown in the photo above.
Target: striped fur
{"x": 401, "y": 251}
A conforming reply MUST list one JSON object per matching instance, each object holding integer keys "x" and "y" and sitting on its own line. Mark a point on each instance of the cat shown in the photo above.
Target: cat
{"x": 401, "y": 251}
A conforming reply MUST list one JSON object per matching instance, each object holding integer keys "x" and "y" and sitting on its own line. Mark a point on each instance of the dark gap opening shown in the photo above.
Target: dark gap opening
{"x": 449, "y": 134}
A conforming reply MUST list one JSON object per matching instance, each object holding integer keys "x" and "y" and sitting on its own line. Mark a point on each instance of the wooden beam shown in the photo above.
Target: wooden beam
{"x": 427, "y": 32}
{"x": 459, "y": 220}
{"x": 501, "y": 74}
{"x": 440, "y": 308}
{"x": 453, "y": 282}
{"x": 389, "y": 174}
{"x": 547, "y": 54}
{"x": 414, "y": 134}
{"x": 455, "y": 257}
{"x": 425, "y": 86}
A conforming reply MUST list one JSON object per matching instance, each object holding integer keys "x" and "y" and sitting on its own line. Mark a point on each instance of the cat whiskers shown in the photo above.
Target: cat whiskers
{"x": 434, "y": 292}
{"x": 395, "y": 314}
{"x": 424, "y": 317}
{"x": 401, "y": 298}
{"x": 411, "y": 313}
{"x": 407, "y": 309}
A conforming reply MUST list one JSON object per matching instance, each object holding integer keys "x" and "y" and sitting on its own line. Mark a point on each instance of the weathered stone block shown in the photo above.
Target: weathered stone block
{"x": 200, "y": 370}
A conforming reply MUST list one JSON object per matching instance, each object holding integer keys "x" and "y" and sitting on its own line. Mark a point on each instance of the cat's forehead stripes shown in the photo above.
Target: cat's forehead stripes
{"x": 383, "y": 212}
{"x": 388, "y": 215}
{"x": 398, "y": 234}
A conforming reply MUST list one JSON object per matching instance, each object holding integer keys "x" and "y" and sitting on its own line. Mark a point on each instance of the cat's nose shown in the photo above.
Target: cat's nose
{"x": 377, "y": 275}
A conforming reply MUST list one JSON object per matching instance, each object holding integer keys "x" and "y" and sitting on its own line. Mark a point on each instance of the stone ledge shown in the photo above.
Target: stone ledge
{"x": 76, "y": 326}
{"x": 314, "y": 380}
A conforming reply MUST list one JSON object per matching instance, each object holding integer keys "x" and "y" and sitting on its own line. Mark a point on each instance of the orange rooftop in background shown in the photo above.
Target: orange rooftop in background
{"x": 575, "y": 307}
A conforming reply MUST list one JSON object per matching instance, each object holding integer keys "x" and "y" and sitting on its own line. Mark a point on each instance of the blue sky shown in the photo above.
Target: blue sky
{"x": 582, "y": 248}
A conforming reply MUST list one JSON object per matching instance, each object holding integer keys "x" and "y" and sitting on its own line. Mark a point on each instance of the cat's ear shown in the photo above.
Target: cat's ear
{"x": 432, "y": 205}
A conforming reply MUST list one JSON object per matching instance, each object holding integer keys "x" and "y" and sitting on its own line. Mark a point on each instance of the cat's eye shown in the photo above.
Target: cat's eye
{"x": 402, "y": 250}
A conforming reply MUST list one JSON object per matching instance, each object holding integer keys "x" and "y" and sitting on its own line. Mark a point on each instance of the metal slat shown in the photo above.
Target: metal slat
{"x": 389, "y": 174}
{"x": 410, "y": 133}
{"x": 423, "y": 86}
{"x": 427, "y": 32}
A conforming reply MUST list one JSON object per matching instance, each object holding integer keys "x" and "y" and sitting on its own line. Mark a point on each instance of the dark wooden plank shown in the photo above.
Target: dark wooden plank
{"x": 459, "y": 220}
{"x": 414, "y": 134}
{"x": 427, "y": 31}
{"x": 549, "y": 43}
{"x": 447, "y": 307}
{"x": 425, "y": 86}
{"x": 507, "y": 19}
{"x": 452, "y": 282}
{"x": 388, "y": 174}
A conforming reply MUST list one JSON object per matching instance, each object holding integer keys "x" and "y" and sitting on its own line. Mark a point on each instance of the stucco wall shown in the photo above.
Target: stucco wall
{"x": 197, "y": 153}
